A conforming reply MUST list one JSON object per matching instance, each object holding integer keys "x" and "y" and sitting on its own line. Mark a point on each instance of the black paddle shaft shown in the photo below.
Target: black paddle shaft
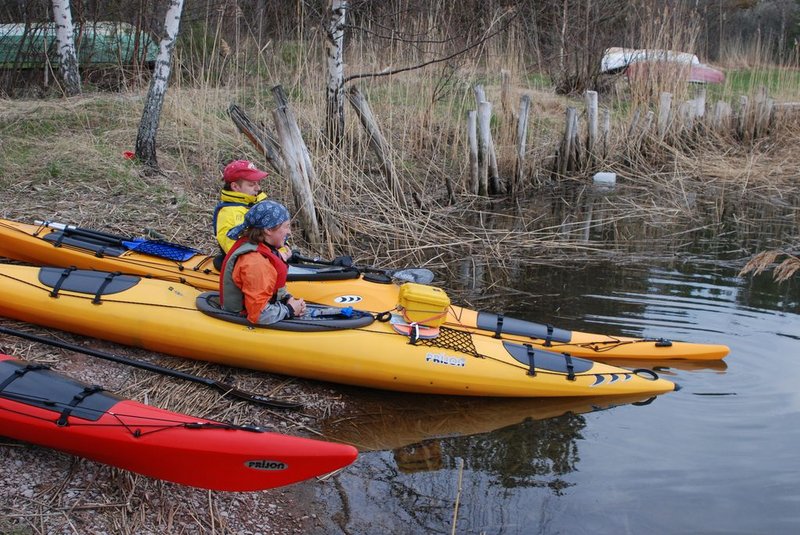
{"x": 88, "y": 233}
{"x": 226, "y": 389}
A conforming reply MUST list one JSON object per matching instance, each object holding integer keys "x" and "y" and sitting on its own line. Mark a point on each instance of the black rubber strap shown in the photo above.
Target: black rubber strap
{"x": 59, "y": 241}
{"x": 103, "y": 286}
{"x": 570, "y": 366}
{"x": 531, "y": 363}
{"x": 549, "y": 339}
{"x": 663, "y": 342}
{"x": 101, "y": 252}
{"x": 20, "y": 372}
{"x": 77, "y": 400}
{"x": 498, "y": 330}
{"x": 64, "y": 276}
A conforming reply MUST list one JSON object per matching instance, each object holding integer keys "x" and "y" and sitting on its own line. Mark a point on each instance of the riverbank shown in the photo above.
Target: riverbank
{"x": 63, "y": 160}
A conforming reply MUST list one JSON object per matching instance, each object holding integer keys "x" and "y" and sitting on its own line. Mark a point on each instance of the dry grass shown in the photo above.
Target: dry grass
{"x": 766, "y": 260}
{"x": 62, "y": 160}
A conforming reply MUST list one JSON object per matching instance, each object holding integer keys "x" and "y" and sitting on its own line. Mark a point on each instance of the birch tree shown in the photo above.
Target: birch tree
{"x": 334, "y": 41}
{"x": 148, "y": 127}
{"x": 65, "y": 40}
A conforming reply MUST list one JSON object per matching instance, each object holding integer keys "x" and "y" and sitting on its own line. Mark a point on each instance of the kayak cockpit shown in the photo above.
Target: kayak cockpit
{"x": 36, "y": 385}
{"x": 313, "y": 321}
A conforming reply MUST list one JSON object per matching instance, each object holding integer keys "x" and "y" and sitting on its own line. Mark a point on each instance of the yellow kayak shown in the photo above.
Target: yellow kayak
{"x": 354, "y": 349}
{"x": 324, "y": 284}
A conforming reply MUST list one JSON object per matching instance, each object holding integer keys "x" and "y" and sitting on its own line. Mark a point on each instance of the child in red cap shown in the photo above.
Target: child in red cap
{"x": 241, "y": 191}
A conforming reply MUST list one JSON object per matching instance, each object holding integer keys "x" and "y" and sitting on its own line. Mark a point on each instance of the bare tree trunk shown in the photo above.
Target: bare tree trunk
{"x": 148, "y": 127}
{"x": 68, "y": 58}
{"x": 334, "y": 35}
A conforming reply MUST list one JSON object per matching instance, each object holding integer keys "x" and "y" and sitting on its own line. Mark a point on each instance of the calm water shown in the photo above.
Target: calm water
{"x": 722, "y": 455}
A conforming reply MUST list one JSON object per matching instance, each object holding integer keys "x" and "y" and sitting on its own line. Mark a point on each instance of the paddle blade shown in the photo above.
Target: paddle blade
{"x": 162, "y": 249}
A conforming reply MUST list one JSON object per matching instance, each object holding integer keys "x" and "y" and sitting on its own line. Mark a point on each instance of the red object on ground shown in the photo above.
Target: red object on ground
{"x": 43, "y": 407}
{"x": 696, "y": 73}
{"x": 129, "y": 155}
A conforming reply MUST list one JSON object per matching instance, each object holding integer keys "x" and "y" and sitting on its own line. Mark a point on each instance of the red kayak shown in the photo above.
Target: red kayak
{"x": 43, "y": 407}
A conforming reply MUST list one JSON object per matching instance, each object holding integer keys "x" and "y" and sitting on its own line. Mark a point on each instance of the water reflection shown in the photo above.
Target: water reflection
{"x": 389, "y": 421}
{"x": 412, "y": 450}
{"x": 688, "y": 462}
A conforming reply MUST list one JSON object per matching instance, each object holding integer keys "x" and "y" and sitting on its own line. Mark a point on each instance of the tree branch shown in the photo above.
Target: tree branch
{"x": 433, "y": 61}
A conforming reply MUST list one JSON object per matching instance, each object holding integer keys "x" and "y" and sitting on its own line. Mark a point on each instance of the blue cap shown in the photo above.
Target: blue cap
{"x": 266, "y": 214}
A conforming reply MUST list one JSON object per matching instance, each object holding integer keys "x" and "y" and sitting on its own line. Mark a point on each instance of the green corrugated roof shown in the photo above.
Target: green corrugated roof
{"x": 98, "y": 43}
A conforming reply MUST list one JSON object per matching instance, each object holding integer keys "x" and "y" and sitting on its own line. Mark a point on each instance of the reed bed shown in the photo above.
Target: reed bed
{"x": 62, "y": 160}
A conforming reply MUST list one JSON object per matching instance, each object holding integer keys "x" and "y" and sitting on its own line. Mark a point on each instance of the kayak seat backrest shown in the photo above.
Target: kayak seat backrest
{"x": 547, "y": 360}
{"x": 489, "y": 322}
{"x": 96, "y": 283}
{"x": 96, "y": 245}
{"x": 208, "y": 303}
{"x": 52, "y": 391}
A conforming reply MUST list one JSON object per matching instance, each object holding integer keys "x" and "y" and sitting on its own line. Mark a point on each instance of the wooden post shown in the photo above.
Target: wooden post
{"x": 566, "y": 143}
{"x": 334, "y": 39}
{"x": 378, "y": 143}
{"x": 522, "y": 136}
{"x": 591, "y": 125}
{"x": 575, "y": 154}
{"x": 301, "y": 191}
{"x": 634, "y": 123}
{"x": 743, "y": 113}
{"x": 686, "y": 115}
{"x": 505, "y": 91}
{"x": 760, "y": 115}
{"x": 648, "y": 123}
{"x": 474, "y": 165}
{"x": 484, "y": 141}
{"x": 700, "y": 104}
{"x": 606, "y": 128}
{"x": 665, "y": 103}
{"x": 494, "y": 173}
{"x": 722, "y": 114}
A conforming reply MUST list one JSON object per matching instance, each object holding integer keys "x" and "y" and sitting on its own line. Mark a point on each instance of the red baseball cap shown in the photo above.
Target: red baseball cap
{"x": 242, "y": 170}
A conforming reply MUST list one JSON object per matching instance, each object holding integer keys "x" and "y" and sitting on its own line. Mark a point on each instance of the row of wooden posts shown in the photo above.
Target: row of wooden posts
{"x": 288, "y": 154}
{"x": 576, "y": 154}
